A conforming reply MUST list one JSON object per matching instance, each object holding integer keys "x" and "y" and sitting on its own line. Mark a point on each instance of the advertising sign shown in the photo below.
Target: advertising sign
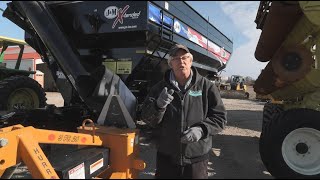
{"x": 189, "y": 33}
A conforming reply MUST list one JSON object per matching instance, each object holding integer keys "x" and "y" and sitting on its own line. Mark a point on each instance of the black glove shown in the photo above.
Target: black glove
{"x": 165, "y": 98}
{"x": 193, "y": 134}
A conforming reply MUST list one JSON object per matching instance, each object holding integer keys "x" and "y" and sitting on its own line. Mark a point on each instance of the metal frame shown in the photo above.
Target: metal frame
{"x": 23, "y": 145}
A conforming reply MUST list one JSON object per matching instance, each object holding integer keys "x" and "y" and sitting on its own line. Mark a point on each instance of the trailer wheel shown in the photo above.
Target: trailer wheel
{"x": 289, "y": 144}
{"x": 21, "y": 92}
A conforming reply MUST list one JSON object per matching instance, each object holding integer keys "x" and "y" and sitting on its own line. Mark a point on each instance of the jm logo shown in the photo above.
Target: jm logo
{"x": 115, "y": 12}
{"x": 111, "y": 12}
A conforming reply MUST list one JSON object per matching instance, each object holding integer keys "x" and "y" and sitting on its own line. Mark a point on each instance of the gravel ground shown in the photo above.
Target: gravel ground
{"x": 234, "y": 154}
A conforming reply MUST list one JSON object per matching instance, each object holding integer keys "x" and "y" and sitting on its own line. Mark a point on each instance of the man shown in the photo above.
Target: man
{"x": 185, "y": 110}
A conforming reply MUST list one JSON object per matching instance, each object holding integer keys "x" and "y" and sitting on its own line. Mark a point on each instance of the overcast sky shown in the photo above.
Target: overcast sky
{"x": 234, "y": 19}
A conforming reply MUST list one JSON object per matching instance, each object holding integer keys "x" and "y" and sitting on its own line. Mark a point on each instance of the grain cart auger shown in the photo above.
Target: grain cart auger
{"x": 94, "y": 92}
{"x": 290, "y": 40}
{"x": 88, "y": 88}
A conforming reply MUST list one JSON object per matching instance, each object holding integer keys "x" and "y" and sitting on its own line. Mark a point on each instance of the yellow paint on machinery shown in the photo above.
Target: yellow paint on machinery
{"x": 23, "y": 145}
{"x": 282, "y": 78}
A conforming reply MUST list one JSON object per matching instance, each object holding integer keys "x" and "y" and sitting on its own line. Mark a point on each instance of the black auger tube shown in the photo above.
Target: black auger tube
{"x": 56, "y": 42}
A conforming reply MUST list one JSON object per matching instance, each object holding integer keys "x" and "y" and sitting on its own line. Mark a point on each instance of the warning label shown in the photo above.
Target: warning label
{"x": 95, "y": 166}
{"x": 124, "y": 67}
{"x": 77, "y": 172}
{"x": 111, "y": 65}
{"x": 119, "y": 67}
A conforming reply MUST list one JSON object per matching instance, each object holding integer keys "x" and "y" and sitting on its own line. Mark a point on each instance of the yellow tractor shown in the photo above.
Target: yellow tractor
{"x": 236, "y": 89}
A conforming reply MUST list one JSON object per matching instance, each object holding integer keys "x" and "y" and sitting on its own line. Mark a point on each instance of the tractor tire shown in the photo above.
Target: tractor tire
{"x": 21, "y": 92}
{"x": 289, "y": 143}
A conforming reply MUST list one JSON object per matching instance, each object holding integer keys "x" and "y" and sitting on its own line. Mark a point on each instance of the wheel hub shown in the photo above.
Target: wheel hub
{"x": 23, "y": 98}
{"x": 302, "y": 148}
{"x": 301, "y": 151}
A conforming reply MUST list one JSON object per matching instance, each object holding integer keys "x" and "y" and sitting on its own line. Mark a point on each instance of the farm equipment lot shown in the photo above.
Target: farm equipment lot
{"x": 235, "y": 152}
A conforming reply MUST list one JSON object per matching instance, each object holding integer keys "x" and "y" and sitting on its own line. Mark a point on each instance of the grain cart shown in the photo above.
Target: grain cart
{"x": 289, "y": 42}
{"x": 17, "y": 89}
{"x": 104, "y": 58}
{"x": 95, "y": 49}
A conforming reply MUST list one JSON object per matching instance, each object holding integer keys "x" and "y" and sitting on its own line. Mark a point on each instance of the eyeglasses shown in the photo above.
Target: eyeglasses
{"x": 183, "y": 58}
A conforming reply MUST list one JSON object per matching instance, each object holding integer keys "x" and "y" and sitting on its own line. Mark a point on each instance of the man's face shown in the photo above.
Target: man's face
{"x": 181, "y": 63}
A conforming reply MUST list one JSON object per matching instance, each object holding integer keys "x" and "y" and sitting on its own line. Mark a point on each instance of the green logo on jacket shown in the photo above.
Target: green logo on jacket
{"x": 195, "y": 93}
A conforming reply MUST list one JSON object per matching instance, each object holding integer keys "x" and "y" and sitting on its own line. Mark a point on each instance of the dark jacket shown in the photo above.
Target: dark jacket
{"x": 201, "y": 105}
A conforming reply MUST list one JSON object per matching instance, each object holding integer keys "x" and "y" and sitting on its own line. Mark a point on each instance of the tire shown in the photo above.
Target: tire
{"x": 247, "y": 95}
{"x": 289, "y": 146}
{"x": 270, "y": 112}
{"x": 21, "y": 92}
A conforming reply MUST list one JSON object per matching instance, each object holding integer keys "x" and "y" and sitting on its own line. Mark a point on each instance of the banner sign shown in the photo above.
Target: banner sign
{"x": 189, "y": 33}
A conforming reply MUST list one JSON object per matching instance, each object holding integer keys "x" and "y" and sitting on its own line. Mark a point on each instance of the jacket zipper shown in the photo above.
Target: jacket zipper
{"x": 182, "y": 120}
{"x": 182, "y": 125}
{"x": 181, "y": 130}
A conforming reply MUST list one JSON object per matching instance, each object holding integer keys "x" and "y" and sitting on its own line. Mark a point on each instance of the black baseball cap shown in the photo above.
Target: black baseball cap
{"x": 172, "y": 52}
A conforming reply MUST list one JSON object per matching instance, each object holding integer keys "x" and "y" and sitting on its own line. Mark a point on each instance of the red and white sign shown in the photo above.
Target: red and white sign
{"x": 77, "y": 172}
{"x": 217, "y": 51}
